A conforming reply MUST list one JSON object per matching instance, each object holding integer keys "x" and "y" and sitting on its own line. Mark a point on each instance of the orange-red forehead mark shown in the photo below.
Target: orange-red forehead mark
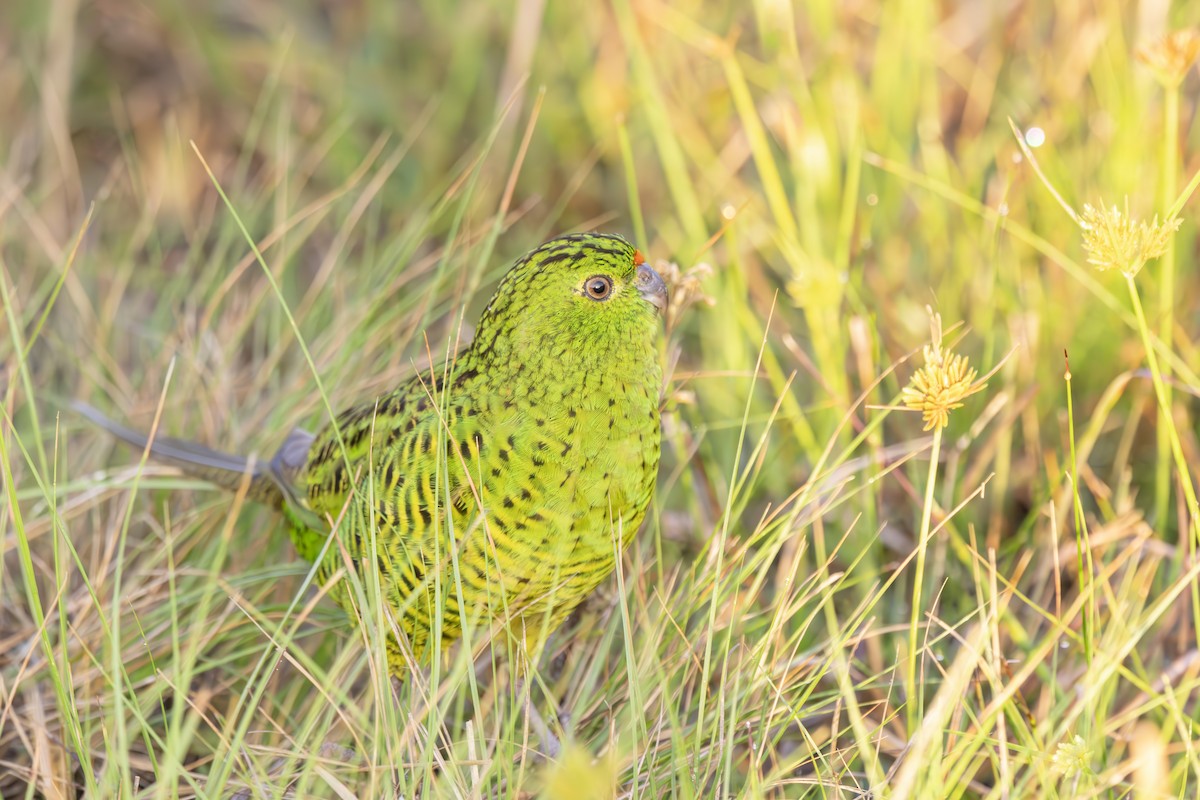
{"x": 638, "y": 258}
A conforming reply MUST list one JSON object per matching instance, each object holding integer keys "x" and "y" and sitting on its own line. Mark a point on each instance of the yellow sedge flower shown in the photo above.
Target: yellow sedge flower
{"x": 577, "y": 776}
{"x": 1114, "y": 239}
{"x": 942, "y": 384}
{"x": 1171, "y": 56}
{"x": 1072, "y": 758}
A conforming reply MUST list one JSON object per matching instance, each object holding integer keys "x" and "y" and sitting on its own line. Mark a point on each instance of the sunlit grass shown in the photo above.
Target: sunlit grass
{"x": 815, "y": 607}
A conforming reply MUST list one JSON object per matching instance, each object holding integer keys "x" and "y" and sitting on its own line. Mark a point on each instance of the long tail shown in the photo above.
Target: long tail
{"x": 272, "y": 483}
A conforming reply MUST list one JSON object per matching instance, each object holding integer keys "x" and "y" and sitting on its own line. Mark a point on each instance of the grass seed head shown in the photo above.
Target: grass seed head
{"x": 684, "y": 289}
{"x": 1072, "y": 758}
{"x": 577, "y": 776}
{"x": 1171, "y": 56}
{"x": 1114, "y": 239}
{"x": 942, "y": 384}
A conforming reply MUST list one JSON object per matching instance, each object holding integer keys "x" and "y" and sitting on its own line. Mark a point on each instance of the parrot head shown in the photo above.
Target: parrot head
{"x": 584, "y": 299}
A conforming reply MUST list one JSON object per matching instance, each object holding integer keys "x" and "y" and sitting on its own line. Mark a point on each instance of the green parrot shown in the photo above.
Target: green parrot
{"x": 499, "y": 488}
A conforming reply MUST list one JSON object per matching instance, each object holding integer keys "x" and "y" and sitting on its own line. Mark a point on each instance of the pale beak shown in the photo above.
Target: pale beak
{"x": 651, "y": 287}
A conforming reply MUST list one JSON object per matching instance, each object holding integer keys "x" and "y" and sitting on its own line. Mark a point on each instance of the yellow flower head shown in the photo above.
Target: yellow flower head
{"x": 577, "y": 776}
{"x": 1072, "y": 758}
{"x": 1171, "y": 56}
{"x": 1114, "y": 239}
{"x": 942, "y": 384}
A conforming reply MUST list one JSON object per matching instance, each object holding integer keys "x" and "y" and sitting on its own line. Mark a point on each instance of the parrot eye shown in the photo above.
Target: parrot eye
{"x": 598, "y": 287}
